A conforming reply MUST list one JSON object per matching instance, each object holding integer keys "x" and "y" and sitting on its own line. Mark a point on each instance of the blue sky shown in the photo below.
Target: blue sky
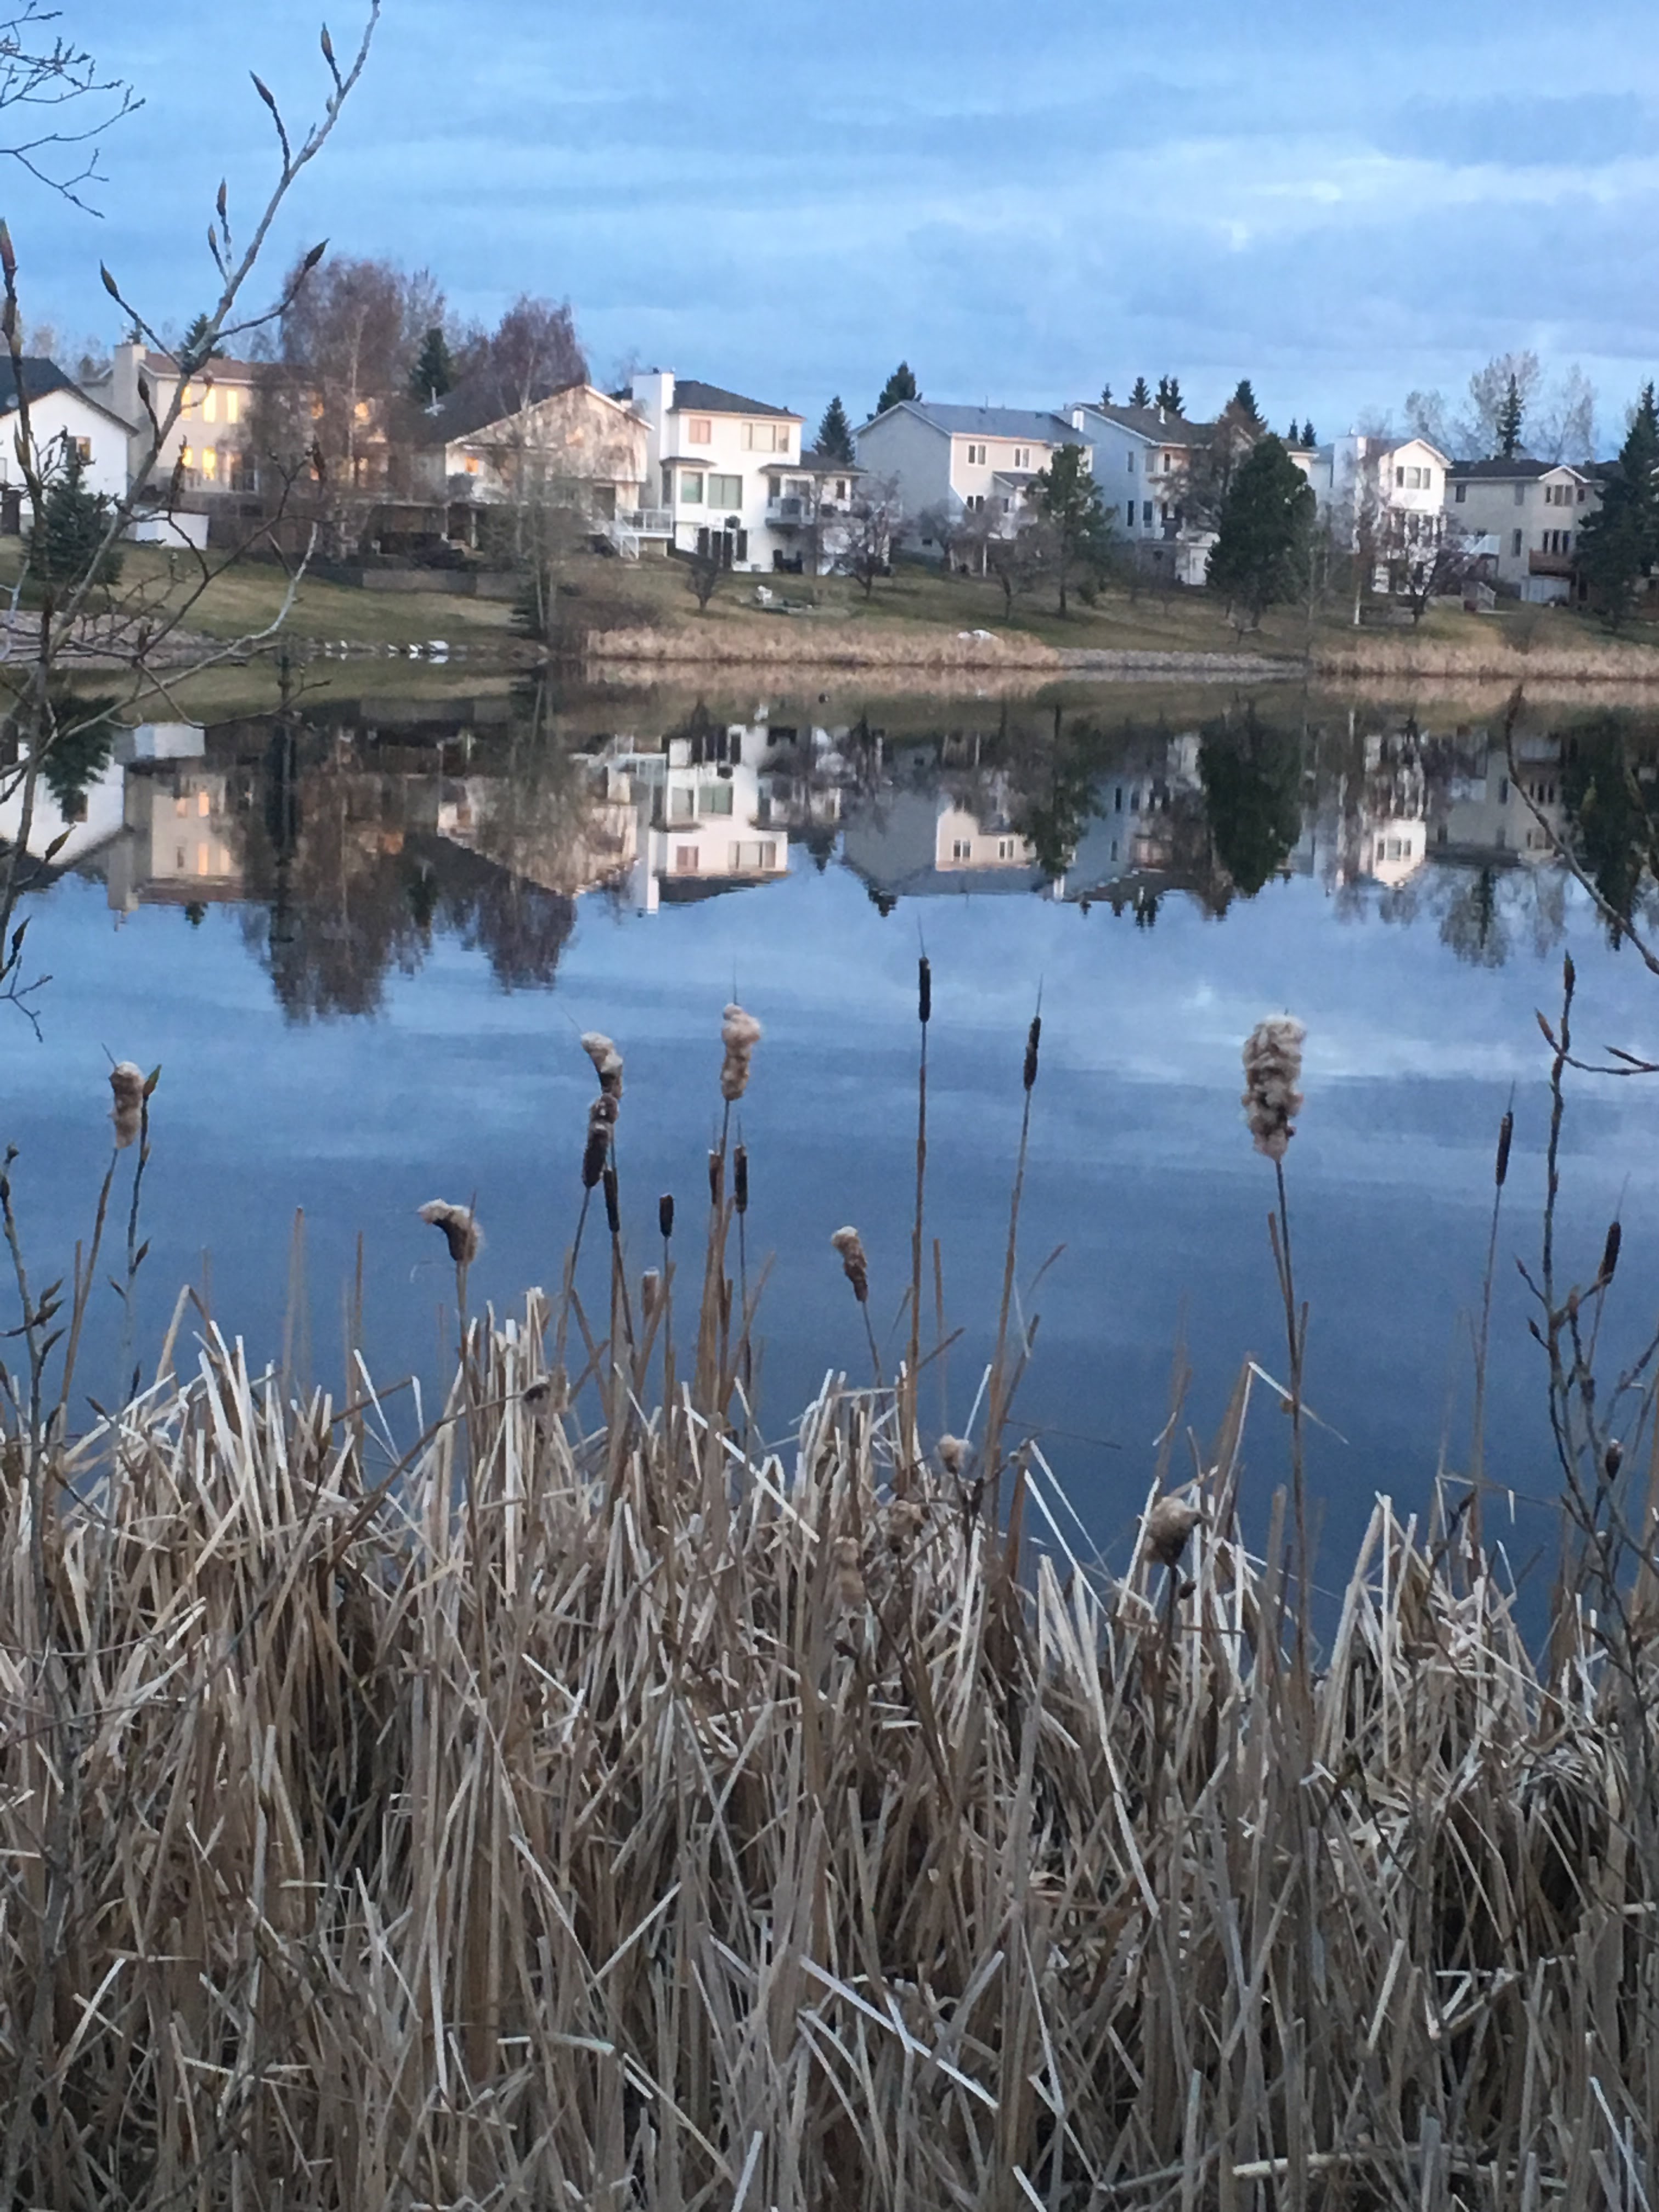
{"x": 1342, "y": 205}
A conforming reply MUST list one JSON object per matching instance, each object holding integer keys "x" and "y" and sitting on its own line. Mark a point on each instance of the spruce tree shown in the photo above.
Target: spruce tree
{"x": 195, "y": 342}
{"x": 1068, "y": 500}
{"x": 1508, "y": 426}
{"x": 1308, "y": 437}
{"x": 834, "y": 438}
{"x": 70, "y": 529}
{"x": 1168, "y": 396}
{"x": 1105, "y": 395}
{"x": 433, "y": 372}
{"x": 901, "y": 385}
{"x": 1244, "y": 403}
{"x": 1619, "y": 546}
{"x": 1261, "y": 544}
{"x": 1141, "y": 396}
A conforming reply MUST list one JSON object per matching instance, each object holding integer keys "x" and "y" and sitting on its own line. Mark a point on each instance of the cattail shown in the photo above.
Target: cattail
{"x": 612, "y": 1203}
{"x": 1505, "y": 1131}
{"x": 1610, "y": 1254}
{"x": 739, "y": 1033}
{"x": 126, "y": 1082}
{"x": 650, "y": 1291}
{"x": 904, "y": 1523}
{"x": 716, "y": 1177}
{"x": 607, "y": 1061}
{"x": 461, "y": 1232}
{"x": 1273, "y": 1069}
{"x": 1169, "y": 1525}
{"x": 665, "y": 1215}
{"x": 952, "y": 1454}
{"x": 1034, "y": 1037}
{"x": 740, "y": 1179}
{"x": 601, "y": 1119}
{"x": 850, "y": 1591}
{"x": 538, "y": 1397}
{"x": 847, "y": 1242}
{"x": 924, "y": 991}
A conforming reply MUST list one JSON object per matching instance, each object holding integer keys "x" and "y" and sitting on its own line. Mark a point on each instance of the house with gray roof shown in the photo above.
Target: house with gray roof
{"x": 1142, "y": 456}
{"x": 948, "y": 461}
{"x": 1527, "y": 514}
{"x": 62, "y": 420}
{"x": 728, "y": 471}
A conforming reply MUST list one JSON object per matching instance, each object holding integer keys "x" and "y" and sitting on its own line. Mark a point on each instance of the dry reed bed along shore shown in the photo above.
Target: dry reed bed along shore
{"x": 640, "y": 1818}
{"x": 1486, "y": 659}
{"x": 779, "y": 643}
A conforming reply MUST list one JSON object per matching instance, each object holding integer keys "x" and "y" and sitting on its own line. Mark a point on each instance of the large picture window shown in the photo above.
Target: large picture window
{"x": 725, "y": 491}
{"x": 691, "y": 487}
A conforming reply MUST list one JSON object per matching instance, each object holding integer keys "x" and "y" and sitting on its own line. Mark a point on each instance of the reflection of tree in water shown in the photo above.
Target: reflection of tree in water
{"x": 1484, "y": 909}
{"x": 1473, "y": 924}
{"x": 1609, "y": 827}
{"x": 1054, "y": 798}
{"x": 1251, "y": 772}
{"x": 79, "y": 751}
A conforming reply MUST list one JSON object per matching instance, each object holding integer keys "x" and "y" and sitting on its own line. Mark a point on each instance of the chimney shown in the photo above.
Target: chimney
{"x": 1160, "y": 411}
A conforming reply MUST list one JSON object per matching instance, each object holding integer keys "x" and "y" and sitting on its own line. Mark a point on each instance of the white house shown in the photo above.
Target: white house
{"x": 1389, "y": 490}
{"x": 62, "y": 420}
{"x": 209, "y": 443}
{"x": 1141, "y": 458}
{"x": 1532, "y": 511}
{"x": 702, "y": 821}
{"x": 950, "y": 461}
{"x": 713, "y": 457}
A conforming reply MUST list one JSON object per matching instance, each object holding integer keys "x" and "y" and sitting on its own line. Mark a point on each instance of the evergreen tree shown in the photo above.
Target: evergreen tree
{"x": 433, "y": 372}
{"x": 1243, "y": 403}
{"x": 1308, "y": 437}
{"x": 195, "y": 338}
{"x": 1261, "y": 544}
{"x": 1169, "y": 394}
{"x": 70, "y": 529}
{"x": 1618, "y": 547}
{"x": 1068, "y": 499}
{"x": 1141, "y": 396}
{"x": 1105, "y": 395}
{"x": 901, "y": 385}
{"x": 1507, "y": 425}
{"x": 834, "y": 438}
{"x": 1293, "y": 436}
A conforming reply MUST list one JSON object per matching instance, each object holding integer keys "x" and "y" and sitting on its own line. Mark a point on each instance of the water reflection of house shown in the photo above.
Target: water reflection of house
{"x": 701, "y": 815}
{"x": 102, "y": 820}
{"x": 584, "y": 841}
{"x": 181, "y": 845}
{"x": 924, "y": 841}
{"x": 1483, "y": 811}
{"x": 1370, "y": 825}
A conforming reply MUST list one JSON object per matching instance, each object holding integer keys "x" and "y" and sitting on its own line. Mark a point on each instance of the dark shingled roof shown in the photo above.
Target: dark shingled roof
{"x": 1523, "y": 467}
{"x": 40, "y": 378}
{"x": 692, "y": 397}
{"x": 1166, "y": 430}
{"x": 470, "y": 408}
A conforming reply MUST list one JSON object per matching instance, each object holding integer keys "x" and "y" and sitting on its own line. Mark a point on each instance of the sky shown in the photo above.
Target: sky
{"x": 1342, "y": 205}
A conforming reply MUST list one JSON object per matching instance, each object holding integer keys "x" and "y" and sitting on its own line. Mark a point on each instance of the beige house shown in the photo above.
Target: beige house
{"x": 576, "y": 445}
{"x": 1528, "y": 514}
{"x": 209, "y": 443}
{"x": 948, "y": 461}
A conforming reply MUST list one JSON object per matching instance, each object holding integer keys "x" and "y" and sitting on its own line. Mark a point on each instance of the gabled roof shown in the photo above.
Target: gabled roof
{"x": 1039, "y": 425}
{"x": 691, "y": 397}
{"x": 40, "y": 378}
{"x": 1521, "y": 468}
{"x": 811, "y": 463}
{"x": 468, "y": 409}
{"x": 1156, "y": 425}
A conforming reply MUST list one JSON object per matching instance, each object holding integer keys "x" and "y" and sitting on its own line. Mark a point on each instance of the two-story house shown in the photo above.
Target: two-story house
{"x": 950, "y": 461}
{"x": 1530, "y": 514}
{"x": 209, "y": 443}
{"x": 713, "y": 458}
{"x": 1142, "y": 457}
{"x": 63, "y": 419}
{"x": 577, "y": 446}
{"x": 1385, "y": 493}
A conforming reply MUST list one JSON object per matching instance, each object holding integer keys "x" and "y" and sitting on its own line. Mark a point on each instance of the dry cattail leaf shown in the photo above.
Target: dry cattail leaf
{"x": 1169, "y": 1525}
{"x": 461, "y": 1232}
{"x": 1273, "y": 1069}
{"x": 846, "y": 1242}
{"x": 650, "y": 1291}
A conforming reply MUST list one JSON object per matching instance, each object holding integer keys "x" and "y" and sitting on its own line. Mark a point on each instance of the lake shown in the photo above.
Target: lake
{"x": 361, "y": 939}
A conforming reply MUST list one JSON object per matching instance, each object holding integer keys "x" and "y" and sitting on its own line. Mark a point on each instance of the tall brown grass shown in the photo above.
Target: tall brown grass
{"x": 622, "y": 1812}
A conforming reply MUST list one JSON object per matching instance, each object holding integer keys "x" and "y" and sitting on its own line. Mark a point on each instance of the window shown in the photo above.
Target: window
{"x": 232, "y": 406}
{"x": 766, "y": 437}
{"x": 962, "y": 849}
{"x": 210, "y": 405}
{"x": 715, "y": 798}
{"x": 187, "y": 456}
{"x": 691, "y": 487}
{"x": 682, "y": 804}
{"x": 204, "y": 804}
{"x": 725, "y": 491}
{"x": 1515, "y": 541}
{"x": 841, "y": 487}
{"x": 472, "y": 464}
{"x": 1129, "y": 463}
{"x": 699, "y": 430}
{"x": 1400, "y": 478}
{"x": 1164, "y": 510}
{"x": 762, "y": 854}
{"x": 686, "y": 859}
{"x": 1502, "y": 791}
{"x": 1169, "y": 463}
{"x": 1147, "y": 513}
{"x": 1520, "y": 495}
{"x": 975, "y": 456}
{"x": 1005, "y": 848}
{"x": 1022, "y": 457}
{"x": 975, "y": 501}
{"x": 83, "y": 447}
{"x": 1117, "y": 800}
{"x": 1461, "y": 493}
{"x": 210, "y": 462}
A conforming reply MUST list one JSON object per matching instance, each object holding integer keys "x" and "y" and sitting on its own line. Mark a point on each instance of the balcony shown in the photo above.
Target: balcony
{"x": 1549, "y": 564}
{"x": 790, "y": 511}
{"x": 647, "y": 521}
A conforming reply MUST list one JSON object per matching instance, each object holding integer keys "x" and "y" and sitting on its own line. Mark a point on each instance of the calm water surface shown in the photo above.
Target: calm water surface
{"x": 361, "y": 942}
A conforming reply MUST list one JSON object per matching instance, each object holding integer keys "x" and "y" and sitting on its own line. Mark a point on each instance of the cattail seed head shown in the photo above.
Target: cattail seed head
{"x": 850, "y": 1591}
{"x": 1273, "y": 1069}
{"x": 461, "y": 1232}
{"x": 716, "y": 1177}
{"x": 126, "y": 1084}
{"x": 1505, "y": 1132}
{"x": 1033, "y": 1039}
{"x": 740, "y": 1179}
{"x": 853, "y": 1262}
{"x": 1610, "y": 1253}
{"x": 1169, "y": 1525}
{"x": 952, "y": 1454}
{"x": 665, "y": 1215}
{"x": 607, "y": 1061}
{"x": 924, "y": 991}
{"x": 739, "y": 1033}
{"x": 612, "y": 1202}
{"x": 904, "y": 1523}
{"x": 597, "y": 1150}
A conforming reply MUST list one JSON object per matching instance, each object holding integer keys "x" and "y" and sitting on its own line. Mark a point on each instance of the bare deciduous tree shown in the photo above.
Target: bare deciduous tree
{"x": 56, "y": 101}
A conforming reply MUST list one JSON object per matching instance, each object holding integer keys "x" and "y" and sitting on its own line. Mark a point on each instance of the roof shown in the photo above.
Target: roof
{"x": 692, "y": 397}
{"x": 1037, "y": 424}
{"x": 466, "y": 411}
{"x": 40, "y": 378}
{"x": 1522, "y": 466}
{"x": 811, "y": 463}
{"x": 1156, "y": 424}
